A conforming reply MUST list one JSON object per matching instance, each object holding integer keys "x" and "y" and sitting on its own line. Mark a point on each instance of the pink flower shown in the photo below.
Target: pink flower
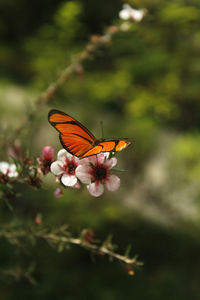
{"x": 58, "y": 193}
{"x": 47, "y": 158}
{"x": 38, "y": 219}
{"x": 95, "y": 172}
{"x": 48, "y": 153}
{"x": 64, "y": 167}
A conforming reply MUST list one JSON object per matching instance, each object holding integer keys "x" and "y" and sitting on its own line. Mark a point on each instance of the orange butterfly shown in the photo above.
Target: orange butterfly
{"x": 78, "y": 140}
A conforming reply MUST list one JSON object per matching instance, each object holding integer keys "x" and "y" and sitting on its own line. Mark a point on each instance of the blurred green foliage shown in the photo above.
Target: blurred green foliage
{"x": 144, "y": 85}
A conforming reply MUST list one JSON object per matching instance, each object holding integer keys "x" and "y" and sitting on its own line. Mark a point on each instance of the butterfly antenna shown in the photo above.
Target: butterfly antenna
{"x": 102, "y": 132}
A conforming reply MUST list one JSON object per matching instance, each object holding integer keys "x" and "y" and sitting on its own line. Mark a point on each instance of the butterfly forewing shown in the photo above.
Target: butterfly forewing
{"x": 74, "y": 137}
{"x": 56, "y": 116}
{"x": 66, "y": 124}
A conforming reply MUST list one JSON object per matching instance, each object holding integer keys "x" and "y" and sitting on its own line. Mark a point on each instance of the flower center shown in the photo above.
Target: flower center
{"x": 100, "y": 173}
{"x": 71, "y": 168}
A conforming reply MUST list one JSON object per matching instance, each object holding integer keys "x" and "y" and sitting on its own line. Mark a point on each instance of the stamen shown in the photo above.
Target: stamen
{"x": 71, "y": 168}
{"x": 100, "y": 173}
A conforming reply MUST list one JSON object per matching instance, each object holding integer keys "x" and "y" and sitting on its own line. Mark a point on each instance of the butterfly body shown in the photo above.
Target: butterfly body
{"x": 78, "y": 140}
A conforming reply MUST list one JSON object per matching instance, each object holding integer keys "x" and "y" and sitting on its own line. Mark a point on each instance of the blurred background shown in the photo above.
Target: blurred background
{"x": 143, "y": 85}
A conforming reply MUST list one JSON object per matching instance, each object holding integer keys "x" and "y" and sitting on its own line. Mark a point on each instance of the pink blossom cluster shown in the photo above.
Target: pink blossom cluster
{"x": 93, "y": 171}
{"x": 47, "y": 158}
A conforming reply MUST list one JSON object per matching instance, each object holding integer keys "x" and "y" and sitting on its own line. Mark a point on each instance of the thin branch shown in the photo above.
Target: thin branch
{"x": 15, "y": 236}
{"x": 90, "y": 246}
{"x": 96, "y": 41}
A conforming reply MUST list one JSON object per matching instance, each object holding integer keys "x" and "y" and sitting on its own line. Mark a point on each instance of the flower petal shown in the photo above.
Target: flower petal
{"x": 112, "y": 183}
{"x": 56, "y": 168}
{"x": 13, "y": 174}
{"x": 84, "y": 161}
{"x": 4, "y": 167}
{"x": 130, "y": 13}
{"x": 63, "y": 154}
{"x": 12, "y": 171}
{"x": 77, "y": 185}
{"x": 76, "y": 159}
{"x": 106, "y": 155}
{"x": 69, "y": 156}
{"x": 68, "y": 180}
{"x": 83, "y": 174}
{"x": 124, "y": 14}
{"x": 8, "y": 169}
{"x": 95, "y": 189}
{"x": 101, "y": 158}
{"x": 92, "y": 159}
{"x": 12, "y": 167}
{"x": 110, "y": 163}
{"x": 137, "y": 15}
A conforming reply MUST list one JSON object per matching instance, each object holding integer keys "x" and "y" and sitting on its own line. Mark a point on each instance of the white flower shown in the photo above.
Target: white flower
{"x": 130, "y": 13}
{"x": 8, "y": 169}
{"x": 65, "y": 167}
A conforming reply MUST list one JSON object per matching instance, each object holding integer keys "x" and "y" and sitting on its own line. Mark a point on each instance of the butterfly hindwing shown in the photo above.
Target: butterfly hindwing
{"x": 107, "y": 146}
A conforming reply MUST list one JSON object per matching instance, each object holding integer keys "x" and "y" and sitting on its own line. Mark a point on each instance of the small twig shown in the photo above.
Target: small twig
{"x": 17, "y": 273}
